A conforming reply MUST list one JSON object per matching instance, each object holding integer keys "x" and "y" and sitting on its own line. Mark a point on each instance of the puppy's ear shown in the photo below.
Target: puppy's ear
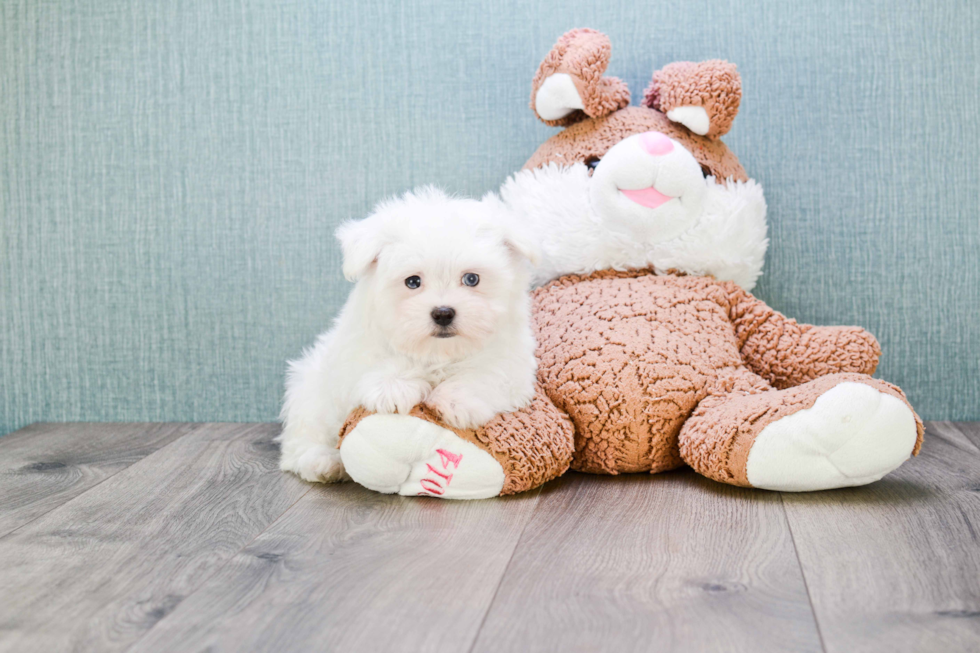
{"x": 361, "y": 242}
{"x": 519, "y": 241}
{"x": 515, "y": 237}
{"x": 507, "y": 227}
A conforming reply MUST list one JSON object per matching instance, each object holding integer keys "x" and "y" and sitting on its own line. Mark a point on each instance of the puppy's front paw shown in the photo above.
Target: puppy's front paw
{"x": 391, "y": 394}
{"x": 460, "y": 408}
{"x": 321, "y": 464}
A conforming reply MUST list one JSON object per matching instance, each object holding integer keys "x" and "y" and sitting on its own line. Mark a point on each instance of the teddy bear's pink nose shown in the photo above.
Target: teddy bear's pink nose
{"x": 656, "y": 143}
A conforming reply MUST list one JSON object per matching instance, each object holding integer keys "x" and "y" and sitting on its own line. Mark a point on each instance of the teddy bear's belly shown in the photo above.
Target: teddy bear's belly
{"x": 629, "y": 358}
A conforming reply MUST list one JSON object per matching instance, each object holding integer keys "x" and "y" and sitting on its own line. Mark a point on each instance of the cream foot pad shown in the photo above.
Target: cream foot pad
{"x": 852, "y": 435}
{"x": 400, "y": 454}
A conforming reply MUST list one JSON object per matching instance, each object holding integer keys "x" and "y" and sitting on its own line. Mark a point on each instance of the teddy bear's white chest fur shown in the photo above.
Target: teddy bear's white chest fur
{"x": 728, "y": 239}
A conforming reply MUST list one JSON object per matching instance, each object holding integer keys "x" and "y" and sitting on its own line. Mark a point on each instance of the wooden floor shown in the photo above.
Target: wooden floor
{"x": 185, "y": 537}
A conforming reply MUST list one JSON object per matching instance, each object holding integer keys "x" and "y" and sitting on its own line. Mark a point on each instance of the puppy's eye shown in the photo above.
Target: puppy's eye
{"x": 471, "y": 279}
{"x": 413, "y": 281}
{"x": 592, "y": 162}
{"x": 705, "y": 172}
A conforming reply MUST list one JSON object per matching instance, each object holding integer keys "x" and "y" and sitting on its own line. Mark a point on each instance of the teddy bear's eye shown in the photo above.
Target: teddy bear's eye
{"x": 471, "y": 279}
{"x": 592, "y": 162}
{"x": 413, "y": 281}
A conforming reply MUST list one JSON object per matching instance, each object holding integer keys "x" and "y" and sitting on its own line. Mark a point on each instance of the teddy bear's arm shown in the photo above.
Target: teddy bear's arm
{"x": 787, "y": 353}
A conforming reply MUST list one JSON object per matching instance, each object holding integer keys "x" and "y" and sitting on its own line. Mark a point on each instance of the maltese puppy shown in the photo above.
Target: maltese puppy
{"x": 440, "y": 315}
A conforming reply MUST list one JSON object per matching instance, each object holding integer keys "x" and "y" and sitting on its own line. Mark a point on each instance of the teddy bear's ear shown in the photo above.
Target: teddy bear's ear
{"x": 704, "y": 97}
{"x": 569, "y": 86}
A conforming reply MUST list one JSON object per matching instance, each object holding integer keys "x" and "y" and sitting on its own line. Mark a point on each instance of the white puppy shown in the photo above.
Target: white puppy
{"x": 440, "y": 314}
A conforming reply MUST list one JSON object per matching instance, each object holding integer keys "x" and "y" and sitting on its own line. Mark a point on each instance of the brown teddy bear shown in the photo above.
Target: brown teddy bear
{"x": 652, "y": 353}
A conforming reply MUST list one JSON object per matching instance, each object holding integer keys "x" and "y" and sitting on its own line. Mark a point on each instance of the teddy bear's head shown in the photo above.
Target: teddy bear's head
{"x": 694, "y": 104}
{"x": 655, "y": 174}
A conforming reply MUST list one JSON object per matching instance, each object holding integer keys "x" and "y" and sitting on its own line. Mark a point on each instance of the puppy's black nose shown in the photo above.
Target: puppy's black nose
{"x": 443, "y": 315}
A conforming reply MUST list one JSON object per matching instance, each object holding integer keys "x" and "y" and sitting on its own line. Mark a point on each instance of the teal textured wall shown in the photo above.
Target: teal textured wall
{"x": 171, "y": 174}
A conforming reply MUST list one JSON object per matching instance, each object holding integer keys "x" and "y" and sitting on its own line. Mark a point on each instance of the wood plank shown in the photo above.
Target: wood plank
{"x": 350, "y": 570}
{"x": 671, "y": 562}
{"x": 970, "y": 429}
{"x": 44, "y": 465}
{"x": 101, "y": 570}
{"x": 895, "y": 566}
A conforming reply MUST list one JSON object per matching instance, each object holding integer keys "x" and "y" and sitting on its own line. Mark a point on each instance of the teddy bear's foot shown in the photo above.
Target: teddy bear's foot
{"x": 402, "y": 454}
{"x": 838, "y": 430}
{"x": 852, "y": 435}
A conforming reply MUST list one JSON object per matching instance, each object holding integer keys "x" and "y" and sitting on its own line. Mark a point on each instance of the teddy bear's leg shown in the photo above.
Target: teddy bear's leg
{"x": 417, "y": 454}
{"x": 836, "y": 431}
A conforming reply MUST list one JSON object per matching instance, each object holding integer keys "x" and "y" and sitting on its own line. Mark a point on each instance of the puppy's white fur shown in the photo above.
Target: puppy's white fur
{"x": 384, "y": 351}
